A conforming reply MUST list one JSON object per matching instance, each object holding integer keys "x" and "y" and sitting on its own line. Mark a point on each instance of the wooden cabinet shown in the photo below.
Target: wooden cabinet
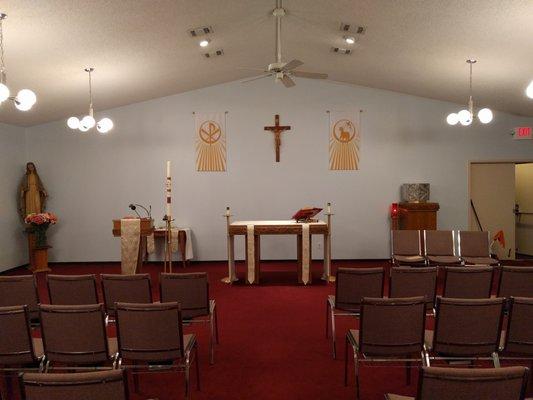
{"x": 416, "y": 216}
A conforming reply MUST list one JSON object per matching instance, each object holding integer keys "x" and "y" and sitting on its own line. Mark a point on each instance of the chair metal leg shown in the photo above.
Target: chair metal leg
{"x": 496, "y": 360}
{"x": 346, "y": 362}
{"x": 211, "y": 339}
{"x": 333, "y": 334}
{"x": 356, "y": 371}
{"x": 187, "y": 377}
{"x": 197, "y": 360}
{"x": 216, "y": 325}
{"x": 327, "y": 318}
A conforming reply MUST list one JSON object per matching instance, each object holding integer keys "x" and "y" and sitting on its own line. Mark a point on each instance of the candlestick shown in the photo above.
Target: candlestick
{"x": 168, "y": 190}
{"x": 227, "y": 211}
{"x": 329, "y": 208}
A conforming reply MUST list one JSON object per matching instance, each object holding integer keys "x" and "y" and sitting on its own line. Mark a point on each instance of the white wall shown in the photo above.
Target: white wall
{"x": 91, "y": 179}
{"x": 13, "y": 251}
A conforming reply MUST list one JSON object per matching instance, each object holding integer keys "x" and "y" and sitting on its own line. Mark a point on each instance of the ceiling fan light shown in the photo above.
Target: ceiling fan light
{"x": 465, "y": 118}
{"x": 4, "y": 92}
{"x": 22, "y": 106}
{"x": 83, "y": 128}
{"x": 529, "y": 90}
{"x": 104, "y": 125}
{"x": 204, "y": 42}
{"x": 452, "y": 119}
{"x": 485, "y": 115}
{"x": 349, "y": 39}
{"x": 26, "y": 96}
{"x": 88, "y": 121}
{"x": 73, "y": 123}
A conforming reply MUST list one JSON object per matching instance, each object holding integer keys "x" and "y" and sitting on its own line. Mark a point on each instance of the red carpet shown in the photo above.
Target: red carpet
{"x": 272, "y": 340}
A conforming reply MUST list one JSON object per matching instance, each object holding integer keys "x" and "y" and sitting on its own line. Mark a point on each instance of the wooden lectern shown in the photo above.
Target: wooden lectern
{"x": 415, "y": 216}
{"x": 147, "y": 228}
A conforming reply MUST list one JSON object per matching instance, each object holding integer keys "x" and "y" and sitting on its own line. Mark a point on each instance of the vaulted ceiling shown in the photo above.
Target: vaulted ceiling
{"x": 141, "y": 48}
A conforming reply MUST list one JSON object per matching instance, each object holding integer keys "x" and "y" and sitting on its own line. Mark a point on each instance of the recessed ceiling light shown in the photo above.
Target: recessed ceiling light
{"x": 349, "y": 39}
{"x": 204, "y": 43}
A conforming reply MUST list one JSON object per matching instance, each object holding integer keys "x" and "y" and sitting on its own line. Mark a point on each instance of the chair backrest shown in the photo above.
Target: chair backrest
{"x": 392, "y": 327}
{"x": 405, "y": 242}
{"x": 190, "y": 290}
{"x": 72, "y": 289}
{"x": 519, "y": 335}
{"x": 439, "y": 243}
{"x": 472, "y": 383}
{"x": 474, "y": 244}
{"x": 100, "y": 385}
{"x": 16, "y": 345}
{"x": 352, "y": 284}
{"x": 468, "y": 327}
{"x": 149, "y": 332}
{"x": 516, "y": 281}
{"x": 20, "y": 290}
{"x": 74, "y": 334}
{"x": 412, "y": 282}
{"x": 126, "y": 289}
{"x": 468, "y": 282}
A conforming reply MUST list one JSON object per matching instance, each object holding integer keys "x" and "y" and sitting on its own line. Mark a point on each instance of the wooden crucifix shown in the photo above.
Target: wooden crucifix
{"x": 277, "y": 129}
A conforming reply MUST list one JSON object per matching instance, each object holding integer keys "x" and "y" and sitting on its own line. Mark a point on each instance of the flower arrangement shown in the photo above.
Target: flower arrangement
{"x": 40, "y": 223}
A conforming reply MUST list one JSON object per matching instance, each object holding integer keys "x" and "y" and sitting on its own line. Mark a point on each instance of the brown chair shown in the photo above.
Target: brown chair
{"x": 406, "y": 248}
{"x": 517, "y": 339}
{"x": 20, "y": 290}
{"x": 18, "y": 350}
{"x": 466, "y": 329}
{"x": 468, "y": 282}
{"x": 100, "y": 385}
{"x": 191, "y": 290}
{"x": 391, "y": 330}
{"x": 413, "y": 282}
{"x": 470, "y": 384}
{"x": 516, "y": 282}
{"x": 72, "y": 289}
{"x": 439, "y": 248}
{"x": 126, "y": 289}
{"x": 474, "y": 248}
{"x": 152, "y": 334}
{"x": 351, "y": 285}
{"x": 76, "y": 336}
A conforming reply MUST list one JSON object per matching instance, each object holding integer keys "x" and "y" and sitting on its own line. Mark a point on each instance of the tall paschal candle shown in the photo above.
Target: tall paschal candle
{"x": 168, "y": 190}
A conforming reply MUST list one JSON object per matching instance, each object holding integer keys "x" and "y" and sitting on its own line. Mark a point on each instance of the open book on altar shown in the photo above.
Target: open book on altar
{"x": 306, "y": 214}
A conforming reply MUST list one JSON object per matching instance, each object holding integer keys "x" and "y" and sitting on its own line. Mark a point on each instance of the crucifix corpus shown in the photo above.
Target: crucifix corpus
{"x": 277, "y": 129}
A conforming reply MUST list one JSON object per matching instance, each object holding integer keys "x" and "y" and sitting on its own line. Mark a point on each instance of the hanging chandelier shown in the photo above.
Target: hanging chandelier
{"x": 466, "y": 116}
{"x": 87, "y": 122}
{"x": 25, "y": 98}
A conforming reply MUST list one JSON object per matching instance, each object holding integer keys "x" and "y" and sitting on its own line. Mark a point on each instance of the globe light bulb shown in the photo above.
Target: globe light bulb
{"x": 26, "y": 96}
{"x": 83, "y": 128}
{"x": 204, "y": 43}
{"x": 349, "y": 39}
{"x": 452, "y": 119}
{"x": 104, "y": 125}
{"x": 73, "y": 123}
{"x": 485, "y": 115}
{"x": 529, "y": 90}
{"x": 88, "y": 121}
{"x": 4, "y": 92}
{"x": 465, "y": 118}
{"x": 22, "y": 106}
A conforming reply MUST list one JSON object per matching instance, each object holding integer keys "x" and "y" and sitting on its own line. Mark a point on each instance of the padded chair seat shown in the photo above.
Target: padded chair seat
{"x": 480, "y": 260}
{"x": 340, "y": 311}
{"x": 390, "y": 396}
{"x": 38, "y": 347}
{"x": 444, "y": 260}
{"x": 409, "y": 259}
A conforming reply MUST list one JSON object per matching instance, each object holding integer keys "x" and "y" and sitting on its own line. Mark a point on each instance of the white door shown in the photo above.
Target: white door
{"x": 492, "y": 190}
{"x": 524, "y": 199}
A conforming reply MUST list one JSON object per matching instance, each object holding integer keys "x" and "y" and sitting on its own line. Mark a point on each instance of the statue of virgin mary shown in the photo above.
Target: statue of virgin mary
{"x": 32, "y": 194}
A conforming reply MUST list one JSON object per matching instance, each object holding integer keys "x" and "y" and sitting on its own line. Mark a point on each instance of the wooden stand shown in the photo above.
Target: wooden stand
{"x": 231, "y": 256}
{"x": 416, "y": 216}
{"x": 38, "y": 255}
{"x": 327, "y": 249}
{"x": 167, "y": 264}
{"x": 147, "y": 228}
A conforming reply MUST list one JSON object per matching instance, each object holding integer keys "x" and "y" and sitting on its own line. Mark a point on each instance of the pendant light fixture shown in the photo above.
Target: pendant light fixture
{"x": 87, "y": 122}
{"x": 529, "y": 90}
{"x": 466, "y": 116}
{"x": 25, "y": 98}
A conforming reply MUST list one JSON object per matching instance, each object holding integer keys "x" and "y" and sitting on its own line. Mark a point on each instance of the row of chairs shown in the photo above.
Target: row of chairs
{"x": 353, "y": 284}
{"x": 149, "y": 337}
{"x": 429, "y": 247}
{"x": 434, "y": 384}
{"x": 393, "y": 330}
{"x": 190, "y": 290}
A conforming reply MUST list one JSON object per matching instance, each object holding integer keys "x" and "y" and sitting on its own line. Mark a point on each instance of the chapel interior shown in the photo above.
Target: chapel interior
{"x": 266, "y": 199}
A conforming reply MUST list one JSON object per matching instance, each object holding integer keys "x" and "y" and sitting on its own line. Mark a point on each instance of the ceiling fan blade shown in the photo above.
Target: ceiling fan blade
{"x": 251, "y": 69}
{"x": 292, "y": 64}
{"x": 287, "y": 81}
{"x": 256, "y": 78}
{"x": 310, "y": 75}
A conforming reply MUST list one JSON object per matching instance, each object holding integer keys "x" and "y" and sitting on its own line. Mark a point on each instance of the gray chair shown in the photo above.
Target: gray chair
{"x": 351, "y": 285}
{"x": 474, "y": 248}
{"x": 76, "y": 336}
{"x": 473, "y": 282}
{"x": 150, "y": 338}
{"x": 406, "y": 248}
{"x": 100, "y": 385}
{"x": 391, "y": 330}
{"x": 191, "y": 290}
{"x": 465, "y": 329}
{"x": 125, "y": 289}
{"x": 18, "y": 290}
{"x": 439, "y": 248}
{"x": 470, "y": 384}
{"x": 413, "y": 282}
{"x": 72, "y": 289}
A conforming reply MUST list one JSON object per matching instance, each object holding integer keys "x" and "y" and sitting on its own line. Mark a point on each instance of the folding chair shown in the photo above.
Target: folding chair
{"x": 439, "y": 248}
{"x": 406, "y": 248}
{"x": 474, "y": 248}
{"x": 72, "y": 289}
{"x": 126, "y": 289}
{"x": 413, "y": 282}
{"x": 468, "y": 282}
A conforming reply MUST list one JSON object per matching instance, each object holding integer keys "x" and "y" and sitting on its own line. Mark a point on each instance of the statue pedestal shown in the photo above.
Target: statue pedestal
{"x": 38, "y": 255}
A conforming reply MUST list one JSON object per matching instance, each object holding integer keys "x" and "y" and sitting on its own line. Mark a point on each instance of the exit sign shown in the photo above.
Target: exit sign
{"x": 523, "y": 132}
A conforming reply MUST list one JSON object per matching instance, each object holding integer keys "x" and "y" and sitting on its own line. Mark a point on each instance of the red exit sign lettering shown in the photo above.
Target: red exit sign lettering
{"x": 523, "y": 132}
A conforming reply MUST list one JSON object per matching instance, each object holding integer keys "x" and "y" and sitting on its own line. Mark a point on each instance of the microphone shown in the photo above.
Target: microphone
{"x": 148, "y": 212}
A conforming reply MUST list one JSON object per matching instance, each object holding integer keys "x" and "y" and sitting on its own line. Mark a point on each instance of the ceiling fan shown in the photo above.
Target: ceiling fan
{"x": 281, "y": 71}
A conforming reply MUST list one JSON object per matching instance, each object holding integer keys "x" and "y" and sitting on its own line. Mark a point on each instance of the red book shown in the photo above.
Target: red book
{"x": 305, "y": 214}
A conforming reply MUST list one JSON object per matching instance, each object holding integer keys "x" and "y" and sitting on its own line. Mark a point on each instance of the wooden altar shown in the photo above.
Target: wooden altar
{"x": 147, "y": 228}
{"x": 416, "y": 216}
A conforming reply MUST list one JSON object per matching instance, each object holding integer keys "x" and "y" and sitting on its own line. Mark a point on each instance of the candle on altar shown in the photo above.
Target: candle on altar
{"x": 168, "y": 190}
{"x": 329, "y": 208}
{"x": 227, "y": 211}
